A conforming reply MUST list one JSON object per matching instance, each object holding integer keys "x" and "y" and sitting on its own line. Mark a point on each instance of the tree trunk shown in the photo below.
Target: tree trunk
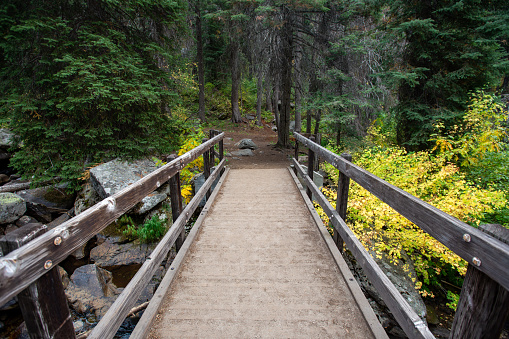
{"x": 283, "y": 131}
{"x": 275, "y": 105}
{"x": 298, "y": 122}
{"x": 308, "y": 121}
{"x": 259, "y": 94}
{"x": 235, "y": 68}
{"x": 338, "y": 135}
{"x": 201, "y": 70}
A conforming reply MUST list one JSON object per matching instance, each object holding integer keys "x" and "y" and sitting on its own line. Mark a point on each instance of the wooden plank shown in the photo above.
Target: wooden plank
{"x": 23, "y": 266}
{"x": 484, "y": 304}
{"x": 376, "y": 328}
{"x": 144, "y": 325}
{"x": 43, "y": 303}
{"x": 109, "y": 324}
{"x": 206, "y": 168}
{"x": 409, "y": 321}
{"x": 493, "y": 254}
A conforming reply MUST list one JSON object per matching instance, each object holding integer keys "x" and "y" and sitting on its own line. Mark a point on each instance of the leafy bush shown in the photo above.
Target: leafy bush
{"x": 153, "y": 230}
{"x": 432, "y": 179}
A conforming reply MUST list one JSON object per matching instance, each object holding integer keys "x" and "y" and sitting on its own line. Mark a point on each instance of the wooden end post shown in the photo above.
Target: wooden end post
{"x": 176, "y": 203}
{"x": 484, "y": 304}
{"x": 206, "y": 167}
{"x": 43, "y": 303}
{"x": 342, "y": 200}
{"x": 311, "y": 162}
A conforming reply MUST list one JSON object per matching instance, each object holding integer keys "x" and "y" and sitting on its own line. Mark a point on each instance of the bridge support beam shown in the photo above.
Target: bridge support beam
{"x": 483, "y": 306}
{"x": 176, "y": 203}
{"x": 43, "y": 303}
{"x": 342, "y": 201}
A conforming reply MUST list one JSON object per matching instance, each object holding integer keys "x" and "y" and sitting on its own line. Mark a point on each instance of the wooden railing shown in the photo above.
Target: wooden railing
{"x": 23, "y": 267}
{"x": 488, "y": 257}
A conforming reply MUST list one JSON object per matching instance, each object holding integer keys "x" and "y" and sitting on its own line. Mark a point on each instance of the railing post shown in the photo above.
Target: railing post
{"x": 484, "y": 304}
{"x": 296, "y": 155}
{"x": 176, "y": 203}
{"x": 342, "y": 200}
{"x": 311, "y": 161}
{"x": 221, "y": 153}
{"x": 212, "y": 133}
{"x": 206, "y": 167}
{"x": 43, "y": 303}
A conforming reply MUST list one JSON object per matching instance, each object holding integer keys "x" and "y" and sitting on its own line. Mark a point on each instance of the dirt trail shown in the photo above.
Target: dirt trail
{"x": 266, "y": 156}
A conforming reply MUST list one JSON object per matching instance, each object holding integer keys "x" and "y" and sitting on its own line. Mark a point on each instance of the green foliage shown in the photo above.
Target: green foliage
{"x": 483, "y": 131}
{"x": 153, "y": 230}
{"x": 432, "y": 179}
{"x": 449, "y": 52}
{"x": 81, "y": 88}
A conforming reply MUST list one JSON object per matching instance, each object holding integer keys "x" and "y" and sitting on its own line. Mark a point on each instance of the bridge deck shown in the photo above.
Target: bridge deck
{"x": 260, "y": 268}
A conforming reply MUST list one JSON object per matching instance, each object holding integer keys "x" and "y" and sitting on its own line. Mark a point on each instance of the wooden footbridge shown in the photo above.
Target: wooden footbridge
{"x": 258, "y": 261}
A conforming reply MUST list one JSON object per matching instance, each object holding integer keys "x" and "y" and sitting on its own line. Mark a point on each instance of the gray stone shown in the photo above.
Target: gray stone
{"x": 12, "y": 207}
{"x": 10, "y": 228}
{"x": 148, "y": 203}
{"x": 317, "y": 178}
{"x": 25, "y": 220}
{"x": 78, "y": 326}
{"x": 250, "y": 117}
{"x": 91, "y": 290}
{"x": 198, "y": 181}
{"x": 112, "y": 255}
{"x": 246, "y": 144}
{"x": 228, "y": 154}
{"x": 86, "y": 198}
{"x": 113, "y": 176}
{"x": 61, "y": 219}
{"x": 243, "y": 152}
{"x": 292, "y": 126}
{"x": 6, "y": 138}
{"x": 43, "y": 201}
{"x": 64, "y": 277}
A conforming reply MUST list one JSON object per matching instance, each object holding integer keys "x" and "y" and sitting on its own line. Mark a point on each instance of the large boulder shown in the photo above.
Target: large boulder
{"x": 243, "y": 153}
{"x": 91, "y": 291}
{"x": 86, "y": 198}
{"x": 43, "y": 201}
{"x": 113, "y": 176}
{"x": 246, "y": 144}
{"x": 12, "y": 207}
{"x": 112, "y": 255}
{"x": 6, "y": 138}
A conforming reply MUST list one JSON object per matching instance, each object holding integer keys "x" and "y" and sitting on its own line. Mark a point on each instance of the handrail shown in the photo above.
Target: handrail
{"x": 25, "y": 265}
{"x": 488, "y": 254}
{"x": 112, "y": 320}
{"x": 485, "y": 253}
{"x": 403, "y": 312}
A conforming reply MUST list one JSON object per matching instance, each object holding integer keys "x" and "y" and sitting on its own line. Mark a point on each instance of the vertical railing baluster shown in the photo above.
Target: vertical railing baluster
{"x": 342, "y": 200}
{"x": 176, "y": 203}
{"x": 206, "y": 167}
{"x": 311, "y": 161}
{"x": 296, "y": 155}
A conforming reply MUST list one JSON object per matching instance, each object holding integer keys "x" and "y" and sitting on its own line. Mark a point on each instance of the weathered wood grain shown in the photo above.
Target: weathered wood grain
{"x": 176, "y": 204}
{"x": 493, "y": 254}
{"x": 109, "y": 324}
{"x": 342, "y": 200}
{"x": 23, "y": 266}
{"x": 144, "y": 325}
{"x": 484, "y": 304}
{"x": 413, "y": 326}
{"x": 311, "y": 166}
{"x": 43, "y": 303}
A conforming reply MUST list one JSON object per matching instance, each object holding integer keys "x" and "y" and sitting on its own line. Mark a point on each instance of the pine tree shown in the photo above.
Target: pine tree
{"x": 87, "y": 81}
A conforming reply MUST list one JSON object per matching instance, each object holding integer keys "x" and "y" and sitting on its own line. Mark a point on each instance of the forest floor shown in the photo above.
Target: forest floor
{"x": 266, "y": 156}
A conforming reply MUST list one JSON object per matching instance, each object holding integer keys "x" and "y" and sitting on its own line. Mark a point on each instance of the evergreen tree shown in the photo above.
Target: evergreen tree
{"x": 84, "y": 81}
{"x": 447, "y": 55}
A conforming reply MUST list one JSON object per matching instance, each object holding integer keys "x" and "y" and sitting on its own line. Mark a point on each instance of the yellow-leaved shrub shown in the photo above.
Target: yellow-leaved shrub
{"x": 430, "y": 178}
